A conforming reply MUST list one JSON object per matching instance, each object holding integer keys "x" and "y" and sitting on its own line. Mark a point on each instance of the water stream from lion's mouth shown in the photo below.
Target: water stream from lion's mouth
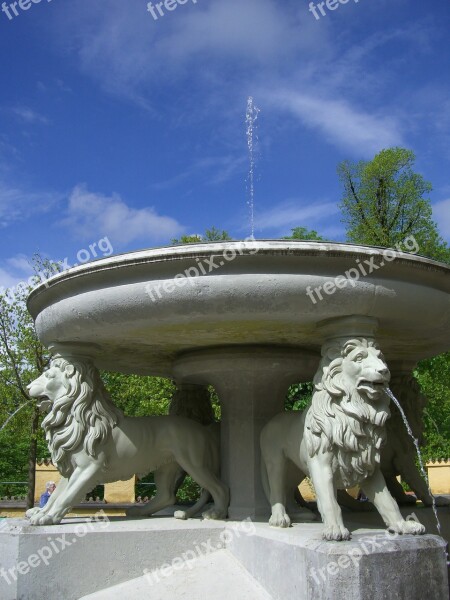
{"x": 419, "y": 454}
{"x": 11, "y": 417}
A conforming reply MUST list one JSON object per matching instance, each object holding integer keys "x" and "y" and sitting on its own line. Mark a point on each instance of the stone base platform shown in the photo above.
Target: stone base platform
{"x": 161, "y": 557}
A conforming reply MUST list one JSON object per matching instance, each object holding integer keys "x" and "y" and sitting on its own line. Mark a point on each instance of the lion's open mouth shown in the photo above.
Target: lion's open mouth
{"x": 371, "y": 387}
{"x": 44, "y": 403}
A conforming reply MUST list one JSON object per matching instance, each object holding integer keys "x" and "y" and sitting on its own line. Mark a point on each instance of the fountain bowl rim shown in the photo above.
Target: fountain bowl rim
{"x": 263, "y": 247}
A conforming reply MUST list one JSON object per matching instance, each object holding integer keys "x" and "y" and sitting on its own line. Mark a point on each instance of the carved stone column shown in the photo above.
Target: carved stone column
{"x": 251, "y": 382}
{"x": 194, "y": 402}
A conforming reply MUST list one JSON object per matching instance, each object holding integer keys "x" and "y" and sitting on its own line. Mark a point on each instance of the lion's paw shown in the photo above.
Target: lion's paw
{"x": 336, "y": 533}
{"x": 215, "y": 514}
{"x": 408, "y": 527}
{"x": 180, "y": 514}
{"x": 279, "y": 517}
{"x": 40, "y": 519}
{"x": 32, "y": 511}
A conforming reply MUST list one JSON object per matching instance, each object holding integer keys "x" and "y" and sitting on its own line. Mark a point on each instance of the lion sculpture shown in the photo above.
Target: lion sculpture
{"x": 336, "y": 441}
{"x": 91, "y": 441}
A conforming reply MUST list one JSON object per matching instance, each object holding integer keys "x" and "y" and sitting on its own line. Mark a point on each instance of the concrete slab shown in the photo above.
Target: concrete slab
{"x": 81, "y": 557}
{"x": 296, "y": 563}
{"x": 219, "y": 576}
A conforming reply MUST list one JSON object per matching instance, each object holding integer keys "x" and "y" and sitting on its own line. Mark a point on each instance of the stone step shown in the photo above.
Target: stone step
{"x": 217, "y": 575}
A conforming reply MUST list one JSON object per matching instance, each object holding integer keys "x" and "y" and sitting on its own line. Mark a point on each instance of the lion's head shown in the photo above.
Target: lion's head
{"x": 80, "y": 412}
{"x": 350, "y": 406}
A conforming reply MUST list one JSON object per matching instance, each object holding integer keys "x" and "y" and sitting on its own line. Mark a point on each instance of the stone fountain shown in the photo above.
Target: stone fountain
{"x": 241, "y": 316}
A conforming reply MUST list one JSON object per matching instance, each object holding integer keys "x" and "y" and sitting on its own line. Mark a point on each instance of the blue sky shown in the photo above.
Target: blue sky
{"x": 115, "y": 124}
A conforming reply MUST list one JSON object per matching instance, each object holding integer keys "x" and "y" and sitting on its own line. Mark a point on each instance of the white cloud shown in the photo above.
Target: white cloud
{"x": 214, "y": 171}
{"x": 227, "y": 49}
{"x": 280, "y": 219}
{"x": 129, "y": 53}
{"x": 15, "y": 270}
{"x": 222, "y": 50}
{"x": 17, "y": 204}
{"x": 24, "y": 113}
{"x": 251, "y": 31}
{"x": 92, "y": 215}
{"x": 341, "y": 123}
{"x": 441, "y": 212}
{"x": 254, "y": 46}
{"x": 8, "y": 279}
{"x": 20, "y": 263}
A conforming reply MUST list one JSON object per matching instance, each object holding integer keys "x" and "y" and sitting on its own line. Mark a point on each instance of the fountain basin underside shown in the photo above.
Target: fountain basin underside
{"x": 142, "y": 312}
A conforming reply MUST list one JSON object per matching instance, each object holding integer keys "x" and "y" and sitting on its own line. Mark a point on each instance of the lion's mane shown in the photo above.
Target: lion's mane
{"x": 339, "y": 420}
{"x": 78, "y": 417}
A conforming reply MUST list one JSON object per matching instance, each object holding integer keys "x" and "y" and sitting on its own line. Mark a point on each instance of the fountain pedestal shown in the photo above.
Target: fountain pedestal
{"x": 251, "y": 382}
{"x": 165, "y": 558}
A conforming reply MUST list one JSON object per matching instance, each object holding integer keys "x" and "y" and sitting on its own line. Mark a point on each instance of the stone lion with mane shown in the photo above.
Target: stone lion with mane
{"x": 337, "y": 440}
{"x": 91, "y": 442}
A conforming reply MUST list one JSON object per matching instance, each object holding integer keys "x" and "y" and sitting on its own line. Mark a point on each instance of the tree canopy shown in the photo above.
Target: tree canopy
{"x": 303, "y": 233}
{"x": 385, "y": 201}
{"x": 210, "y": 235}
{"x": 434, "y": 378}
{"x": 22, "y": 359}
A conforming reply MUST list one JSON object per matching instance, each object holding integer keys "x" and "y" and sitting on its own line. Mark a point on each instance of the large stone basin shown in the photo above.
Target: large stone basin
{"x": 259, "y": 297}
{"x": 246, "y": 324}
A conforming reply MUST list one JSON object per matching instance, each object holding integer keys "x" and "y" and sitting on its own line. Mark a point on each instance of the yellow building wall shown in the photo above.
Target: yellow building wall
{"x": 439, "y": 476}
{"x": 120, "y": 492}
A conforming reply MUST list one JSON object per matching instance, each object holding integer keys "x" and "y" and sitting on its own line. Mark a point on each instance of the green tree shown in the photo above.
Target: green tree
{"x": 139, "y": 396}
{"x": 22, "y": 359}
{"x": 214, "y": 235}
{"x": 434, "y": 378}
{"x": 299, "y": 396}
{"x": 303, "y": 233}
{"x": 195, "y": 238}
{"x": 385, "y": 201}
{"x": 210, "y": 235}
